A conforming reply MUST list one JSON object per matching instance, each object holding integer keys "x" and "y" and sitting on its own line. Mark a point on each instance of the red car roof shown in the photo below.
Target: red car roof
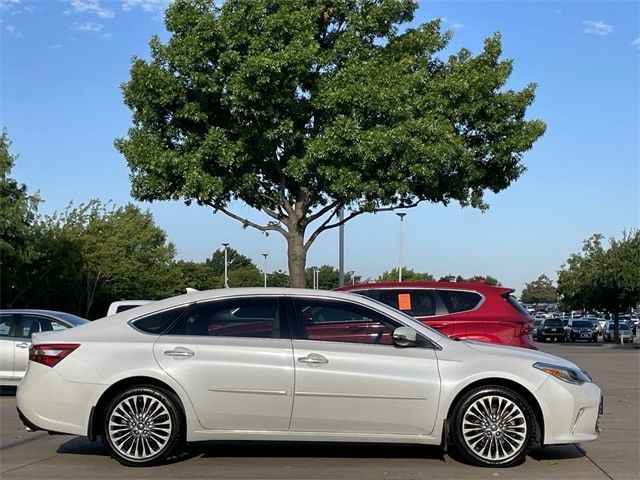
{"x": 477, "y": 286}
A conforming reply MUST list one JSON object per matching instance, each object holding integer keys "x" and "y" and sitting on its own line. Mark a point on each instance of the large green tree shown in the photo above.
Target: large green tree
{"x": 122, "y": 252}
{"x": 603, "y": 278}
{"x": 539, "y": 291}
{"x": 301, "y": 108}
{"x": 18, "y": 215}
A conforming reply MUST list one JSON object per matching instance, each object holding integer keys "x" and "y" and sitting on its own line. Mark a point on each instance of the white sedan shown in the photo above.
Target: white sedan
{"x": 307, "y": 365}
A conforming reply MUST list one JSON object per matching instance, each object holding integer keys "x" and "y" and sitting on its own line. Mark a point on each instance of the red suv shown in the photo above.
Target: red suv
{"x": 465, "y": 310}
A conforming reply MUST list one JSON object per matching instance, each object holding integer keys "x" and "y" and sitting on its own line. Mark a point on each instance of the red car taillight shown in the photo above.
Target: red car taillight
{"x": 50, "y": 354}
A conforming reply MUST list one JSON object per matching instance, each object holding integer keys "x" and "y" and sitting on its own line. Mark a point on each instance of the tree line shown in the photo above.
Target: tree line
{"x": 600, "y": 277}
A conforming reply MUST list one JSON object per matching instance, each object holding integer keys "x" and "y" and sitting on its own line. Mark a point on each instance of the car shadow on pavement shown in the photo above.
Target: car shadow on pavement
{"x": 256, "y": 449}
{"x": 8, "y": 391}
{"x": 316, "y": 449}
{"x": 556, "y": 452}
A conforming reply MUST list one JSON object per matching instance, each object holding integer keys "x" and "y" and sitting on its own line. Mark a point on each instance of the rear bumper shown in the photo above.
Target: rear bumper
{"x": 48, "y": 402}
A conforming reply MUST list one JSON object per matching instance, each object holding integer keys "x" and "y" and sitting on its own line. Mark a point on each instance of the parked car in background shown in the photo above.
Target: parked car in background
{"x": 623, "y": 331}
{"x": 124, "y": 305}
{"x": 581, "y": 329}
{"x": 16, "y": 328}
{"x": 464, "y": 310}
{"x": 298, "y": 365}
{"x": 551, "y": 330}
{"x": 537, "y": 323}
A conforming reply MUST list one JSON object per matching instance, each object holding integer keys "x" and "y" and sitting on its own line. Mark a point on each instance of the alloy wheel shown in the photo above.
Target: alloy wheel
{"x": 494, "y": 428}
{"x": 139, "y": 427}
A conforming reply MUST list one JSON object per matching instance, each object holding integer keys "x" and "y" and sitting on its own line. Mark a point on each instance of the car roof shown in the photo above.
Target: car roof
{"x": 476, "y": 286}
{"x": 35, "y": 311}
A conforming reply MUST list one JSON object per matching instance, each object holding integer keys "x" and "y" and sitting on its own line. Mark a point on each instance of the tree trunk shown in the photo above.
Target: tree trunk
{"x": 616, "y": 326}
{"x": 297, "y": 257}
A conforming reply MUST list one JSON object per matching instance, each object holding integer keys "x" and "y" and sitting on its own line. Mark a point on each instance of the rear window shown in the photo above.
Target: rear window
{"x": 159, "y": 322}
{"x": 553, "y": 323}
{"x": 511, "y": 300}
{"x": 459, "y": 301}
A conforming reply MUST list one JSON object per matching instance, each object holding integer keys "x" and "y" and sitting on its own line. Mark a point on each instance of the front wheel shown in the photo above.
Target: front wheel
{"x": 142, "y": 426}
{"x": 493, "y": 426}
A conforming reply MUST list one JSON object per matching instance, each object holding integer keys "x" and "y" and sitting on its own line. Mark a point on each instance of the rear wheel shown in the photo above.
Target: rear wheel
{"x": 493, "y": 426}
{"x": 142, "y": 426}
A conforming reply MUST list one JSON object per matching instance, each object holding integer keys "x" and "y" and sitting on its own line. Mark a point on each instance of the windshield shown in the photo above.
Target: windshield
{"x": 72, "y": 319}
{"x": 623, "y": 326}
{"x": 552, "y": 323}
{"x": 582, "y": 324}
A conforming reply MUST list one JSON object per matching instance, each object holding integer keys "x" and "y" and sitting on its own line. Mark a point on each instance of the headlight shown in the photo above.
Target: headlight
{"x": 566, "y": 374}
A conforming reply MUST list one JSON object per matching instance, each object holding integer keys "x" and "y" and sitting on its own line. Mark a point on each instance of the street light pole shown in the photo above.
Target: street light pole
{"x": 401, "y": 215}
{"x": 226, "y": 266}
{"x": 341, "y": 249}
{"x": 316, "y": 278}
{"x": 265, "y": 255}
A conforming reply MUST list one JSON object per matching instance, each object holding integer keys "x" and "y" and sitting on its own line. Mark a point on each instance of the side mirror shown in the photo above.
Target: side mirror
{"x": 405, "y": 337}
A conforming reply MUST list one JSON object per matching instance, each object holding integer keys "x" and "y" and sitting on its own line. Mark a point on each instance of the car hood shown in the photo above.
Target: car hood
{"x": 512, "y": 353}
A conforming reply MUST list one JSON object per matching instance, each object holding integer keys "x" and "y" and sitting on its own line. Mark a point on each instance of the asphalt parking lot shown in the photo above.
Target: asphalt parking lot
{"x": 615, "y": 455}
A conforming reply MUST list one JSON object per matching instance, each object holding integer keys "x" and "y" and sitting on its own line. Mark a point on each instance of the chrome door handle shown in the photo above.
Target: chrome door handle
{"x": 22, "y": 345}
{"x": 313, "y": 358}
{"x": 179, "y": 353}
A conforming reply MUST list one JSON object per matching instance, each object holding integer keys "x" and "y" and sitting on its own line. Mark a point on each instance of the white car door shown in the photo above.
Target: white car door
{"x": 350, "y": 378}
{"x": 26, "y": 326}
{"x": 234, "y": 359}
{"x": 7, "y": 346}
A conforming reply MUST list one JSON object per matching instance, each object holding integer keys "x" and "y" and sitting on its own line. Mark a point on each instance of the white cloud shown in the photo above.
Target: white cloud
{"x": 12, "y": 7}
{"x": 146, "y": 5}
{"x": 13, "y": 31}
{"x": 636, "y": 43}
{"x": 597, "y": 27}
{"x": 451, "y": 23}
{"x": 106, "y": 36}
{"x": 89, "y": 6}
{"x": 88, "y": 27}
{"x": 55, "y": 45}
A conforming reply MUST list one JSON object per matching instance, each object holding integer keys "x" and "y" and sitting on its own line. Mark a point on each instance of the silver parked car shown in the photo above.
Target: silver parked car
{"x": 16, "y": 328}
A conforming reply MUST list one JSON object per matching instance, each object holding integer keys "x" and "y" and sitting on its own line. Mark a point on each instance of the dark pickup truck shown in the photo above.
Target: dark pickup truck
{"x": 551, "y": 329}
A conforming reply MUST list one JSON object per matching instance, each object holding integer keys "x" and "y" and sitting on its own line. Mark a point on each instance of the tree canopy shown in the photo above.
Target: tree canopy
{"x": 539, "y": 291}
{"x": 602, "y": 278}
{"x": 18, "y": 214}
{"x": 408, "y": 275}
{"x": 302, "y": 108}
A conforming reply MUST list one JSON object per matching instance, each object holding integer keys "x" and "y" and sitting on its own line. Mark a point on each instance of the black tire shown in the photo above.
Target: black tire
{"x": 467, "y": 439}
{"x": 160, "y": 429}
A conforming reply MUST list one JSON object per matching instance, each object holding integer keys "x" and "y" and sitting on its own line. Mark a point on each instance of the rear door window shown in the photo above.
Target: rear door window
{"x": 238, "y": 317}
{"x": 459, "y": 300}
{"x": 5, "y": 325}
{"x": 414, "y": 302}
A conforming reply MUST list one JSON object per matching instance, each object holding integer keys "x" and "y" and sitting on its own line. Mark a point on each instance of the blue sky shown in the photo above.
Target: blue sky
{"x": 63, "y": 62}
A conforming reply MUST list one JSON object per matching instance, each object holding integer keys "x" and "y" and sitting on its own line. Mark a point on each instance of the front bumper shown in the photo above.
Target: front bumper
{"x": 571, "y": 412}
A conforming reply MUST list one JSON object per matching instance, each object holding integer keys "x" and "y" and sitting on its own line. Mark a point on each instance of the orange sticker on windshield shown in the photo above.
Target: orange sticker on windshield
{"x": 404, "y": 301}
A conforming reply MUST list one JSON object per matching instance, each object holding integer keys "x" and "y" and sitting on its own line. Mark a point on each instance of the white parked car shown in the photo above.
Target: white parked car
{"x": 124, "y": 305}
{"x": 308, "y": 365}
{"x": 16, "y": 328}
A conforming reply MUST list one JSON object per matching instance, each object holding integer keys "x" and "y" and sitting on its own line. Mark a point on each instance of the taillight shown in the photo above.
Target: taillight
{"x": 50, "y": 354}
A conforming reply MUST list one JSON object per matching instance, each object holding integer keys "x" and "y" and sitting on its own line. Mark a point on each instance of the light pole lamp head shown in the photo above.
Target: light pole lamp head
{"x": 225, "y": 245}
{"x": 265, "y": 255}
{"x": 401, "y": 215}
